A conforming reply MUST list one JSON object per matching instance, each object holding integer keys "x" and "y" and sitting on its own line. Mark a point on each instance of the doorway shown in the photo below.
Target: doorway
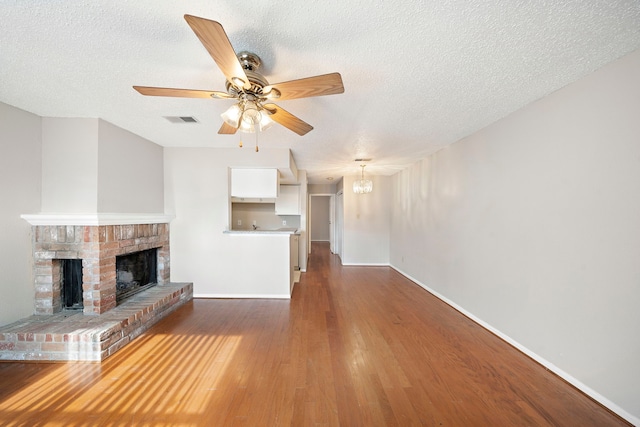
{"x": 321, "y": 219}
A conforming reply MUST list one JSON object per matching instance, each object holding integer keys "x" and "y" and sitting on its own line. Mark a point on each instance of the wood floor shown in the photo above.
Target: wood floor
{"x": 355, "y": 346}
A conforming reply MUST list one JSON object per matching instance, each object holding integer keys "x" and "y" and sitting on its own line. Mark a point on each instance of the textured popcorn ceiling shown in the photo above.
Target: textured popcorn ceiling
{"x": 418, "y": 75}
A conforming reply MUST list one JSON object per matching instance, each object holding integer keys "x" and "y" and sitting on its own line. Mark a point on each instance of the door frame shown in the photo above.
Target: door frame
{"x": 339, "y": 223}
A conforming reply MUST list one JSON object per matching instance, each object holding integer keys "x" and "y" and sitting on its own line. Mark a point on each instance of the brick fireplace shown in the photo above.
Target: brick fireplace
{"x": 105, "y": 325}
{"x": 97, "y": 246}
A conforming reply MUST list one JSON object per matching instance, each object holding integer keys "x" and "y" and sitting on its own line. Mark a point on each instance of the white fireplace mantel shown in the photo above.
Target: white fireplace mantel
{"x": 95, "y": 219}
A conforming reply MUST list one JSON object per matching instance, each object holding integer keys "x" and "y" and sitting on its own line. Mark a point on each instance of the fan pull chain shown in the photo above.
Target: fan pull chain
{"x": 256, "y": 131}
{"x": 240, "y": 145}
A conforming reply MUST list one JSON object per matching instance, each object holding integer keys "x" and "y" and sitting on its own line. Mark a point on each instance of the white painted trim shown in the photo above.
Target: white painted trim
{"x": 550, "y": 366}
{"x": 95, "y": 219}
{"x": 243, "y": 296}
{"x": 372, "y": 264}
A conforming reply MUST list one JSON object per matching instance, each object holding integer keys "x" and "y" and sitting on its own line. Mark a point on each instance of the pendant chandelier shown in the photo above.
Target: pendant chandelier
{"x": 362, "y": 186}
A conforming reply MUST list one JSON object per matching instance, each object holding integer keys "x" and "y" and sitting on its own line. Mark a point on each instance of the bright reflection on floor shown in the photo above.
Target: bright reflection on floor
{"x": 159, "y": 379}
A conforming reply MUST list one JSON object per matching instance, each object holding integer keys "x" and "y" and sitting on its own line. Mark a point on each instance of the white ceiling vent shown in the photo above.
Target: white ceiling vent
{"x": 181, "y": 119}
{"x": 362, "y": 160}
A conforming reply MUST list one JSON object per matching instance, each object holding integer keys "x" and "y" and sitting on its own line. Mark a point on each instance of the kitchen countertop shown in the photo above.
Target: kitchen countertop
{"x": 261, "y": 231}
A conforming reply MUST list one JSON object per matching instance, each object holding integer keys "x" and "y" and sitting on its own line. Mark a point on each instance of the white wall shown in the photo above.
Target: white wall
{"x": 20, "y": 190}
{"x": 92, "y": 166}
{"x": 321, "y": 188}
{"x": 197, "y": 193}
{"x": 130, "y": 172}
{"x": 69, "y": 165}
{"x": 532, "y": 225}
{"x": 367, "y": 221}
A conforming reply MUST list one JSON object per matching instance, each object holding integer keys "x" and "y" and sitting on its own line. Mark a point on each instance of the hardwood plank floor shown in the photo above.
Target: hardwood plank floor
{"x": 355, "y": 346}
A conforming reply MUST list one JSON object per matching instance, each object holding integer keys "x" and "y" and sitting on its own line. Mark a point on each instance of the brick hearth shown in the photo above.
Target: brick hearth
{"x": 72, "y": 336}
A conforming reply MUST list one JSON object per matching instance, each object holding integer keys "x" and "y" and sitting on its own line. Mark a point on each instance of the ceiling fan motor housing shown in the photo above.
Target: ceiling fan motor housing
{"x": 250, "y": 63}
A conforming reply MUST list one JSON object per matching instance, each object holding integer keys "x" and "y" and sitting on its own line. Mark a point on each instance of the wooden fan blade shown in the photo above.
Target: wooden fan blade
{"x": 287, "y": 119}
{"x": 227, "y": 129}
{"x": 215, "y": 40}
{"x": 181, "y": 93}
{"x": 326, "y": 84}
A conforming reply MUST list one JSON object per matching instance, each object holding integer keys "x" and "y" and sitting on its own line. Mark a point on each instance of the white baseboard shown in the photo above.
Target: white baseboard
{"x": 365, "y": 264}
{"x": 550, "y": 366}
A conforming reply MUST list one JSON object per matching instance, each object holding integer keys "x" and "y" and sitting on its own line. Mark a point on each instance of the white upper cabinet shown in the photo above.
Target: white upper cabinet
{"x": 254, "y": 183}
{"x": 288, "y": 202}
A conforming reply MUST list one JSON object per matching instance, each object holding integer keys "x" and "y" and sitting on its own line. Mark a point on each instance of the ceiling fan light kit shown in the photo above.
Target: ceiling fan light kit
{"x": 247, "y": 117}
{"x": 250, "y": 88}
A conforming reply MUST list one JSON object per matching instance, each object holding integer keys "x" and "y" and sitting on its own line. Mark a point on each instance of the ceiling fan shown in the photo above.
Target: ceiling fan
{"x": 254, "y": 109}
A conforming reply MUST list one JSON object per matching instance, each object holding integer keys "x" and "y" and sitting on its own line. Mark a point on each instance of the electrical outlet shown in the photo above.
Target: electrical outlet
{"x": 239, "y": 222}
{"x": 254, "y": 222}
{"x": 284, "y": 222}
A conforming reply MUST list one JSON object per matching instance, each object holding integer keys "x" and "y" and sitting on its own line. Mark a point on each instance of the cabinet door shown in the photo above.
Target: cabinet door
{"x": 288, "y": 201}
{"x": 254, "y": 183}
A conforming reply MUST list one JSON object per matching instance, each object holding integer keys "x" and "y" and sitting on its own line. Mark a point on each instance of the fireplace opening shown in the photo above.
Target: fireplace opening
{"x": 135, "y": 272}
{"x": 71, "y": 289}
